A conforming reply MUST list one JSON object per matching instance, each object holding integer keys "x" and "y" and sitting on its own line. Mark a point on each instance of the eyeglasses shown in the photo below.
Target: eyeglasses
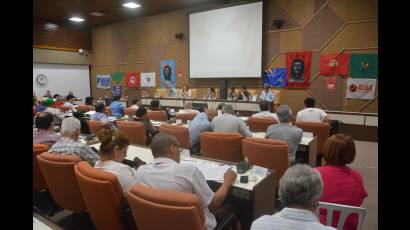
{"x": 179, "y": 147}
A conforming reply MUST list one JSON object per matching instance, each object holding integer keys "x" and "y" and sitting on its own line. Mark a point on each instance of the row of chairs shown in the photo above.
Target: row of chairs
{"x": 76, "y": 186}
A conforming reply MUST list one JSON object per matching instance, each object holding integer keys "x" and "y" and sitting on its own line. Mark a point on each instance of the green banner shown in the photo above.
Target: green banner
{"x": 118, "y": 76}
{"x": 364, "y": 65}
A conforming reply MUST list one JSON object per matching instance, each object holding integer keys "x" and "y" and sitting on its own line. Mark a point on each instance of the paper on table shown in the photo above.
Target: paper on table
{"x": 258, "y": 134}
{"x": 308, "y": 134}
{"x": 90, "y": 113}
{"x": 210, "y": 171}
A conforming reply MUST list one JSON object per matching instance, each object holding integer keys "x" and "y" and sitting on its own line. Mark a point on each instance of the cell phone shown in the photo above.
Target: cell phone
{"x": 244, "y": 179}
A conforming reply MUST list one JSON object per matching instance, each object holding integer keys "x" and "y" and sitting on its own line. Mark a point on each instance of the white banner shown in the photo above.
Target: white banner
{"x": 361, "y": 88}
{"x": 148, "y": 79}
{"x": 103, "y": 81}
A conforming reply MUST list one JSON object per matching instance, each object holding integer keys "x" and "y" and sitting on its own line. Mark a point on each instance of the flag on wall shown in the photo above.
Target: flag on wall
{"x": 364, "y": 65}
{"x": 148, "y": 79}
{"x": 330, "y": 83}
{"x": 298, "y": 69}
{"x": 116, "y": 90}
{"x": 133, "y": 80}
{"x": 167, "y": 70}
{"x": 103, "y": 81}
{"x": 117, "y": 77}
{"x": 334, "y": 64}
{"x": 361, "y": 88}
{"x": 275, "y": 77}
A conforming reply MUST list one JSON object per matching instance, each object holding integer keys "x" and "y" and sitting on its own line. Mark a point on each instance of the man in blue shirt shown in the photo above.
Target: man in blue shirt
{"x": 117, "y": 109}
{"x": 267, "y": 94}
{"x": 201, "y": 123}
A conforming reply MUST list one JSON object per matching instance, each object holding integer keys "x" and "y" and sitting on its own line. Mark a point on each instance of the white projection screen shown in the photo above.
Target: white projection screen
{"x": 226, "y": 43}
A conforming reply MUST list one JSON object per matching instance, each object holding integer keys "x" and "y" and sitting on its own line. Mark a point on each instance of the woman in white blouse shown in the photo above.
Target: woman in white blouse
{"x": 186, "y": 92}
{"x": 113, "y": 150}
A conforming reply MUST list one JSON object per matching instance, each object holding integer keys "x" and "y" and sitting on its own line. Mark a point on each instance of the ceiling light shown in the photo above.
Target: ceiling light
{"x": 76, "y": 19}
{"x": 98, "y": 14}
{"x": 50, "y": 26}
{"x": 131, "y": 5}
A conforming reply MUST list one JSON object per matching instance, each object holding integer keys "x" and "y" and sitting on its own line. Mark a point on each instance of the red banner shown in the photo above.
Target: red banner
{"x": 334, "y": 64}
{"x": 298, "y": 69}
{"x": 330, "y": 83}
{"x": 133, "y": 80}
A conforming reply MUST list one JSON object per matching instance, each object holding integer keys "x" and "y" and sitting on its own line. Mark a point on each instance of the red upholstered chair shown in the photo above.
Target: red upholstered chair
{"x": 58, "y": 172}
{"x": 268, "y": 153}
{"x": 83, "y": 108}
{"x": 258, "y": 124}
{"x": 134, "y": 130}
{"x": 181, "y": 133}
{"x": 130, "y": 112}
{"x": 222, "y": 145}
{"x": 164, "y": 209}
{"x": 38, "y": 179}
{"x": 95, "y": 126}
{"x": 319, "y": 129}
{"x": 186, "y": 116}
{"x": 158, "y": 115}
{"x": 102, "y": 195}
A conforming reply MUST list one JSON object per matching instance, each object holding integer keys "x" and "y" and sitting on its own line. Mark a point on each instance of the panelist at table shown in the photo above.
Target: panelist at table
{"x": 186, "y": 92}
{"x": 165, "y": 172}
{"x": 267, "y": 94}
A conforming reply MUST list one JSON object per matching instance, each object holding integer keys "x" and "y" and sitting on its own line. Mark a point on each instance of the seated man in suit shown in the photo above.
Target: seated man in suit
{"x": 167, "y": 173}
{"x": 44, "y": 133}
{"x": 285, "y": 131}
{"x": 227, "y": 122}
{"x": 300, "y": 189}
{"x": 264, "y": 106}
{"x": 69, "y": 144}
{"x": 310, "y": 113}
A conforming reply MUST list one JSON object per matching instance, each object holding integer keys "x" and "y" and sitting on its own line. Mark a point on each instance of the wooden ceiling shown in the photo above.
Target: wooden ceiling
{"x": 59, "y": 11}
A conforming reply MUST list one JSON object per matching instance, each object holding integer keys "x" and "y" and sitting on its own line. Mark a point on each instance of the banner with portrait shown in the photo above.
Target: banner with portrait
{"x": 361, "y": 88}
{"x": 167, "y": 71}
{"x": 103, "y": 81}
{"x": 298, "y": 66}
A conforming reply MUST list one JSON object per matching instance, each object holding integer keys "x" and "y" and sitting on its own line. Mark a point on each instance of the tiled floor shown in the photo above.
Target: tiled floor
{"x": 366, "y": 162}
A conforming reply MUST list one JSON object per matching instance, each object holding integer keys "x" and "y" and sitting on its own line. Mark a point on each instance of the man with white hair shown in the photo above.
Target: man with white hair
{"x": 285, "y": 131}
{"x": 227, "y": 122}
{"x": 69, "y": 144}
{"x": 300, "y": 189}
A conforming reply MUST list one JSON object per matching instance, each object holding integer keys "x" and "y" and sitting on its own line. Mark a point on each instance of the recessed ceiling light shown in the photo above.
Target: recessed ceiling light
{"x": 98, "y": 14}
{"x": 50, "y": 26}
{"x": 76, "y": 19}
{"x": 131, "y": 5}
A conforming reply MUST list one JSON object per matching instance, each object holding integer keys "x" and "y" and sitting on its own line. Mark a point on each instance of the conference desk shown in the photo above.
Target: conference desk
{"x": 246, "y": 108}
{"x": 307, "y": 148}
{"x": 251, "y": 200}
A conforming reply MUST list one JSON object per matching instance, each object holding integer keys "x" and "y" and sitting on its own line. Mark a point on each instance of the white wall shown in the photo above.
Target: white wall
{"x": 62, "y": 79}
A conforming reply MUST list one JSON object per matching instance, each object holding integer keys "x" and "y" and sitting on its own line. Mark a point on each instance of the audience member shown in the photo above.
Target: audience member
{"x": 167, "y": 173}
{"x": 69, "y": 100}
{"x": 300, "y": 189}
{"x": 285, "y": 131}
{"x": 90, "y": 101}
{"x": 155, "y": 106}
{"x": 59, "y": 100}
{"x": 341, "y": 184}
{"x": 69, "y": 144}
{"x": 188, "y": 108}
{"x": 99, "y": 115}
{"x": 142, "y": 116}
{"x": 310, "y": 113}
{"x": 264, "y": 107}
{"x": 45, "y": 126}
{"x": 201, "y": 123}
{"x": 227, "y": 122}
{"x": 47, "y": 94}
{"x": 135, "y": 104}
{"x": 50, "y": 108}
{"x": 117, "y": 109}
{"x": 113, "y": 150}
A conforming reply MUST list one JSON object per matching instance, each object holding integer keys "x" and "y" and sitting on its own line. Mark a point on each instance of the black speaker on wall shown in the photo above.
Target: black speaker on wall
{"x": 179, "y": 36}
{"x": 224, "y": 89}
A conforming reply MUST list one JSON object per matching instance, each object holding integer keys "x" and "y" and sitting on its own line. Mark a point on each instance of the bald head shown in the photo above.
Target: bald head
{"x": 211, "y": 113}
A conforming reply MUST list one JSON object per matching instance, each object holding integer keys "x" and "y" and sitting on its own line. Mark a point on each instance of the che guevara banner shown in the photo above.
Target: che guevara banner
{"x": 361, "y": 88}
{"x": 364, "y": 65}
{"x": 298, "y": 69}
{"x": 334, "y": 64}
{"x": 133, "y": 80}
{"x": 275, "y": 77}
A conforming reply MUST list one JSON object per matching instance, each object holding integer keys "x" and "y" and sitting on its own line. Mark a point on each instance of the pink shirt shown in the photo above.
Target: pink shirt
{"x": 342, "y": 185}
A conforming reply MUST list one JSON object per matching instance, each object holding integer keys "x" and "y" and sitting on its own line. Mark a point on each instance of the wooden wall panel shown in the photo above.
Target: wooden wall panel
{"x": 140, "y": 45}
